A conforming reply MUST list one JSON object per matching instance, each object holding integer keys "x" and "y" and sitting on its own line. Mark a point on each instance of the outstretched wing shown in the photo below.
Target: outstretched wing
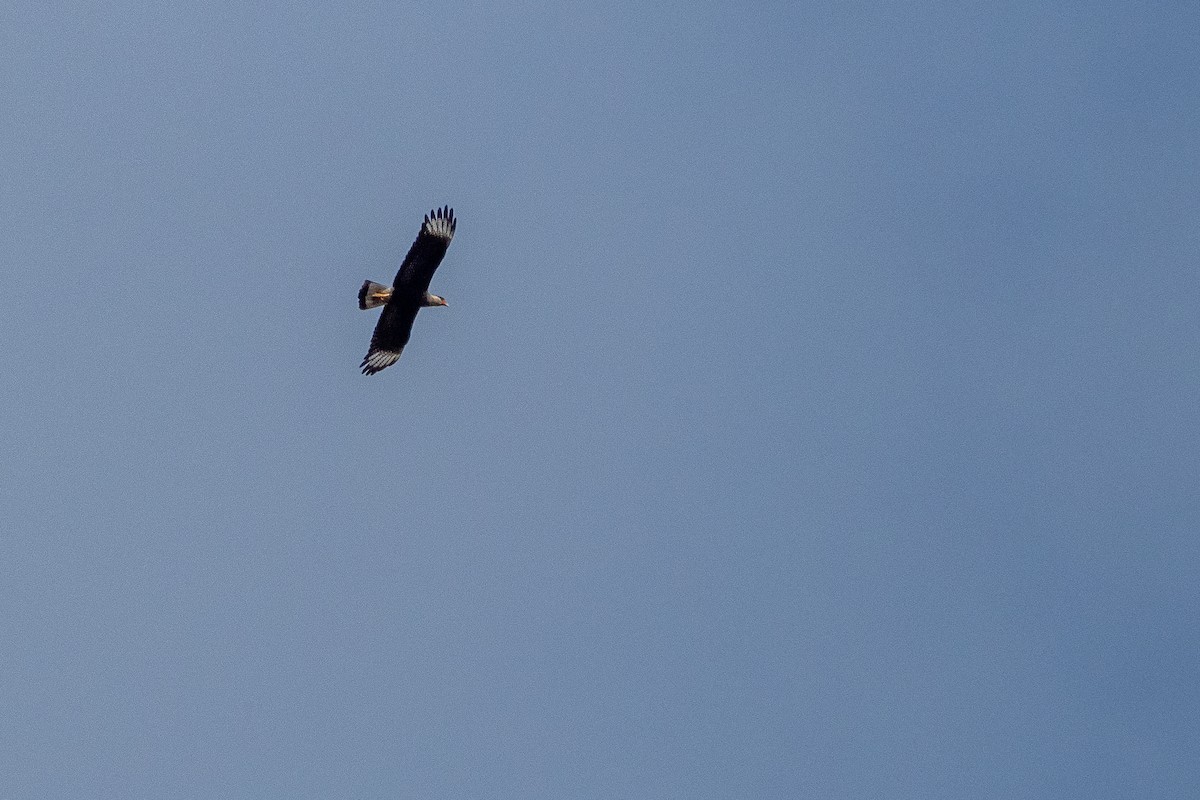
{"x": 390, "y": 336}
{"x": 426, "y": 252}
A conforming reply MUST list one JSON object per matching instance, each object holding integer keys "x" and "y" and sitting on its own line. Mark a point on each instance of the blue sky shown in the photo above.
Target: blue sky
{"x": 815, "y": 414}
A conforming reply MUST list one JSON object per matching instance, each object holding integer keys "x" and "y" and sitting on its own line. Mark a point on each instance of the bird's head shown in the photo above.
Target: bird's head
{"x": 434, "y": 300}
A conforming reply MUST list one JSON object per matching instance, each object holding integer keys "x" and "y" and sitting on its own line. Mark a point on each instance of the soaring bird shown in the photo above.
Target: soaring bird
{"x": 409, "y": 293}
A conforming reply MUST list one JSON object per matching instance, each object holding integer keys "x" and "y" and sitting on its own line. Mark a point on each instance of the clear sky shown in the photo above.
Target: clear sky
{"x": 816, "y": 413}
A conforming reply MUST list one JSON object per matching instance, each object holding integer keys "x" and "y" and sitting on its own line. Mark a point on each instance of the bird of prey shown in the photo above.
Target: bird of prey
{"x": 409, "y": 293}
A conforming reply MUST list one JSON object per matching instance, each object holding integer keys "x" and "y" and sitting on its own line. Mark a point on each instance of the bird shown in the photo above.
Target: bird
{"x": 409, "y": 292}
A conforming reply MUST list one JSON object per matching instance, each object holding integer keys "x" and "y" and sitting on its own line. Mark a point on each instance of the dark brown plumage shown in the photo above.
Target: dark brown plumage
{"x": 409, "y": 292}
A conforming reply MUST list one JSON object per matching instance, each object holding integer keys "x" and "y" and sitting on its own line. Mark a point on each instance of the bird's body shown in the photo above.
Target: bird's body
{"x": 409, "y": 292}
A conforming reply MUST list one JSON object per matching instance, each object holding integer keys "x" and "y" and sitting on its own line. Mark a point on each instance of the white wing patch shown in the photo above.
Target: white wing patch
{"x": 379, "y": 359}
{"x": 440, "y": 226}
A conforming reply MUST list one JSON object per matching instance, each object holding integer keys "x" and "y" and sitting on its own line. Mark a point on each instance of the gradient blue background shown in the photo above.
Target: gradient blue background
{"x": 816, "y": 412}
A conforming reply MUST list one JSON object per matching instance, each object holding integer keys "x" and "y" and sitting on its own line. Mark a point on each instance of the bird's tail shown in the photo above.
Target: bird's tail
{"x": 373, "y": 294}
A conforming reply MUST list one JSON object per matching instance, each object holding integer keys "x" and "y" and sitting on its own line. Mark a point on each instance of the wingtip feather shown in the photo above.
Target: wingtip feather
{"x": 440, "y": 222}
{"x": 377, "y": 360}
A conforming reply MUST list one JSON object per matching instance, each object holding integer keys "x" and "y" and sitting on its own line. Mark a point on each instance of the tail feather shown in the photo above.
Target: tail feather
{"x": 373, "y": 294}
